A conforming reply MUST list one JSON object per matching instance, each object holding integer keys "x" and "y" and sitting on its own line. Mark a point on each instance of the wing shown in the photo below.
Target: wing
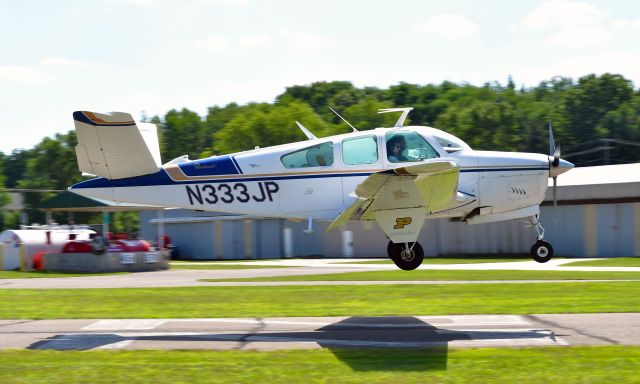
{"x": 430, "y": 186}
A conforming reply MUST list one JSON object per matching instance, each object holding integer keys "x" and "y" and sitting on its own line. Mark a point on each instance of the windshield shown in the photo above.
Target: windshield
{"x": 408, "y": 146}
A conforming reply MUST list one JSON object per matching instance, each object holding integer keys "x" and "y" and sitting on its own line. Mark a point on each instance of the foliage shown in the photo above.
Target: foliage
{"x": 265, "y": 125}
{"x": 51, "y": 165}
{"x": 4, "y": 196}
{"x": 182, "y": 134}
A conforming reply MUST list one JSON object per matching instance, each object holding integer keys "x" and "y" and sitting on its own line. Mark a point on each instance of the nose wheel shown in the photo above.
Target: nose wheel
{"x": 406, "y": 256}
{"x": 541, "y": 251}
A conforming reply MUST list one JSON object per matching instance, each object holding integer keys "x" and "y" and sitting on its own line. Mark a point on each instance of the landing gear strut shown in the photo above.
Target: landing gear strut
{"x": 541, "y": 251}
{"x": 407, "y": 256}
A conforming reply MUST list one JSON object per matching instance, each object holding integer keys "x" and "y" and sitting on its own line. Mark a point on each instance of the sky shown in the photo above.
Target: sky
{"x": 146, "y": 57}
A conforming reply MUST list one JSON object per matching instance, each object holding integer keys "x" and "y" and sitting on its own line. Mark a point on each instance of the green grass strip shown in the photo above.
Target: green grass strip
{"x": 567, "y": 365}
{"x": 442, "y": 275}
{"x": 612, "y": 262}
{"x": 332, "y": 300}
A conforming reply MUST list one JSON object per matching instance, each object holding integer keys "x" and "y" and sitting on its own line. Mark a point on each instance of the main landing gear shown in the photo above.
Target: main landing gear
{"x": 541, "y": 251}
{"x": 407, "y": 256}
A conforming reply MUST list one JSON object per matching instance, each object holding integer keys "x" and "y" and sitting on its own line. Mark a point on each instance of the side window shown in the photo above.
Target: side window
{"x": 408, "y": 146}
{"x": 320, "y": 155}
{"x": 361, "y": 150}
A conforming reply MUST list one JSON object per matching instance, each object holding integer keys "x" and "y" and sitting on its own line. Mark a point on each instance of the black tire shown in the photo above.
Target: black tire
{"x": 402, "y": 259}
{"x": 390, "y": 249}
{"x": 541, "y": 251}
{"x": 98, "y": 245}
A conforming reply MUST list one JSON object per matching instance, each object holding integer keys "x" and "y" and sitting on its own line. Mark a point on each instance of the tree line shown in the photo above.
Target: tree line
{"x": 585, "y": 114}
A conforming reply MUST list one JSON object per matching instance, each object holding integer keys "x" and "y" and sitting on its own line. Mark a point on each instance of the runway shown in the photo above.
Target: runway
{"x": 324, "y": 332}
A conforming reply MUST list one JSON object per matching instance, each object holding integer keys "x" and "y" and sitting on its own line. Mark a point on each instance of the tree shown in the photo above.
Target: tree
{"x": 588, "y": 103}
{"x": 14, "y": 166}
{"x": 51, "y": 165}
{"x": 4, "y": 196}
{"x": 319, "y": 95}
{"x": 216, "y": 119}
{"x": 265, "y": 125}
{"x": 183, "y": 134}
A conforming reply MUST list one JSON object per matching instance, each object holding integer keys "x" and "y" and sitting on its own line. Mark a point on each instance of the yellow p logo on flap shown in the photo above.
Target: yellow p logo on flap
{"x": 401, "y": 222}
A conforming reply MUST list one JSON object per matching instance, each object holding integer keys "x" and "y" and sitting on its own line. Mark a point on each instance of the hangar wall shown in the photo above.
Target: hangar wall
{"x": 590, "y": 230}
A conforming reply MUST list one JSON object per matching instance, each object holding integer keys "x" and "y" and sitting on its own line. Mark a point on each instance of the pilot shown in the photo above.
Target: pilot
{"x": 395, "y": 146}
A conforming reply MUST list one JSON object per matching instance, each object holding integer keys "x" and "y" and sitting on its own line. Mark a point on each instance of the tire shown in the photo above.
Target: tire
{"x": 541, "y": 251}
{"x": 404, "y": 261}
{"x": 98, "y": 245}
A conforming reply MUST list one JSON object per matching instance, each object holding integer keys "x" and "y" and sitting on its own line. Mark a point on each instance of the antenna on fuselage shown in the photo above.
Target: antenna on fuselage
{"x": 343, "y": 119}
{"x": 306, "y": 132}
{"x": 405, "y": 112}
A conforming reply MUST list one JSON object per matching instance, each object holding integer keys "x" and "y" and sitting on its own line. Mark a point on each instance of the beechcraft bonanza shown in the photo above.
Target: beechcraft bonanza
{"x": 397, "y": 177}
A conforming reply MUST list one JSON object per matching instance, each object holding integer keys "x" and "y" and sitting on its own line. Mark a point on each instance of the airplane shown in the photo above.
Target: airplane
{"x": 398, "y": 177}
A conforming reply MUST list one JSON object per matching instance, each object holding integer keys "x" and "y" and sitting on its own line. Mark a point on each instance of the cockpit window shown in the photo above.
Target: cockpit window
{"x": 449, "y": 142}
{"x": 360, "y": 150}
{"x": 408, "y": 146}
{"x": 320, "y": 155}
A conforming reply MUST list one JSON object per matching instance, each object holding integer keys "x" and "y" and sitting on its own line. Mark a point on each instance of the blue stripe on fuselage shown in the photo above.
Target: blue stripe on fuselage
{"x": 162, "y": 178}
{"x": 212, "y": 166}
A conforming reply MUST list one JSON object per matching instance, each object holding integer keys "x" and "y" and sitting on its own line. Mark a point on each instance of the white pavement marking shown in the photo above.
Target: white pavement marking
{"x": 453, "y": 321}
{"x": 117, "y": 324}
{"x": 117, "y": 345}
{"x": 466, "y": 320}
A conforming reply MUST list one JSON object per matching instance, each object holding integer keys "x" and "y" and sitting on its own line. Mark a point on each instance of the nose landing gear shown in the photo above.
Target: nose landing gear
{"x": 407, "y": 256}
{"x": 541, "y": 251}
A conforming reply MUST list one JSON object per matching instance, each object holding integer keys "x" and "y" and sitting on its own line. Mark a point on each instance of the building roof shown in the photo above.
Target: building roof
{"x": 598, "y": 185}
{"x": 603, "y": 174}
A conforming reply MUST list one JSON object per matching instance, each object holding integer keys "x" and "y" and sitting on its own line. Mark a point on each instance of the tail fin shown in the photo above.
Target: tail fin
{"x": 113, "y": 146}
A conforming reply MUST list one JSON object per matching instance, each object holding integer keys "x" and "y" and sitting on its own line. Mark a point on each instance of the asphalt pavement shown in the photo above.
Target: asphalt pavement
{"x": 324, "y": 332}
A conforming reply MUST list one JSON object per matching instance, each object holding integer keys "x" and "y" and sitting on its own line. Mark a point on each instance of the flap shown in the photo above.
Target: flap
{"x": 431, "y": 186}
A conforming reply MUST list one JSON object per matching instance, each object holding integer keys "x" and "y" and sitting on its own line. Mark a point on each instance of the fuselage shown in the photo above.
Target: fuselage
{"x": 316, "y": 178}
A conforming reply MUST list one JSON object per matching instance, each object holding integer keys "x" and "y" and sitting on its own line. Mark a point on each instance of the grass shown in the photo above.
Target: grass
{"x": 37, "y": 274}
{"x": 605, "y": 364}
{"x": 612, "y": 262}
{"x": 333, "y": 300}
{"x": 443, "y": 275}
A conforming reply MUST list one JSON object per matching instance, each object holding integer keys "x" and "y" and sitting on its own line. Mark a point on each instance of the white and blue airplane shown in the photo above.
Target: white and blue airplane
{"x": 397, "y": 177}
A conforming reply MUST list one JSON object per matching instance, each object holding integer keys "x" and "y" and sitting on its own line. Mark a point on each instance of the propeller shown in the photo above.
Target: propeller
{"x": 554, "y": 161}
{"x": 557, "y": 166}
